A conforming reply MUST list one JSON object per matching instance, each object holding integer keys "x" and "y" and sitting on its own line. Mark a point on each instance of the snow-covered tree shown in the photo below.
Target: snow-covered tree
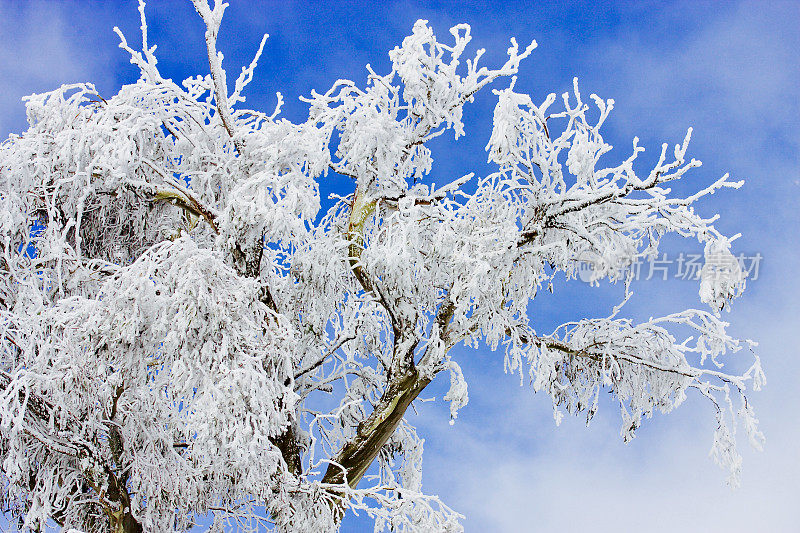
{"x": 185, "y": 333}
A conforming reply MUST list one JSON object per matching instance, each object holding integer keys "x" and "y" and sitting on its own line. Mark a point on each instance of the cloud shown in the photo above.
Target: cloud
{"x": 736, "y": 79}
{"x": 509, "y": 469}
{"x": 40, "y": 51}
{"x": 506, "y": 466}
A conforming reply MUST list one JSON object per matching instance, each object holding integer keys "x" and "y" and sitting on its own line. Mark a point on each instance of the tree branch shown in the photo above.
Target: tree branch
{"x": 213, "y": 20}
{"x": 317, "y": 363}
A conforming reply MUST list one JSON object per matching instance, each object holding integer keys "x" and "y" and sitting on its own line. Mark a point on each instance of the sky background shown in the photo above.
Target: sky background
{"x": 728, "y": 69}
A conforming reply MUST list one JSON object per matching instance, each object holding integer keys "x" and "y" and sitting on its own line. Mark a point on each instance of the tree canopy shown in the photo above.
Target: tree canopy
{"x": 185, "y": 332}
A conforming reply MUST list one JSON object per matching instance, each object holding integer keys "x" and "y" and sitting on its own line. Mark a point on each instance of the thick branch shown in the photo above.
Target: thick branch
{"x": 354, "y": 459}
{"x": 183, "y": 198}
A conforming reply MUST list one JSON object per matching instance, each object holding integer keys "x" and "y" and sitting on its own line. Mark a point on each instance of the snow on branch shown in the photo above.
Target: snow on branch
{"x": 646, "y": 368}
{"x": 184, "y": 331}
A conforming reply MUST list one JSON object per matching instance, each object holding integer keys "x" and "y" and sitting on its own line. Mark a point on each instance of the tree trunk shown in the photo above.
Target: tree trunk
{"x": 130, "y": 524}
{"x": 375, "y": 430}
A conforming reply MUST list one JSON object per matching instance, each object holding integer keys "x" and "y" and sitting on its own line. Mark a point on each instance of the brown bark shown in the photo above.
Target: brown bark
{"x": 287, "y": 443}
{"x": 404, "y": 381}
{"x": 130, "y": 524}
{"x": 356, "y": 457}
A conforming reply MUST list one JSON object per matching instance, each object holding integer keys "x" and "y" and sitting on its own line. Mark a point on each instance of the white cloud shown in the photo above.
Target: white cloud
{"x": 504, "y": 464}
{"x": 38, "y": 52}
{"x": 735, "y": 79}
{"x": 509, "y": 469}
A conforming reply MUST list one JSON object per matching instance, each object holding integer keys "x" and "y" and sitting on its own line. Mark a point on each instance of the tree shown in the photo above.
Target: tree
{"x": 184, "y": 332}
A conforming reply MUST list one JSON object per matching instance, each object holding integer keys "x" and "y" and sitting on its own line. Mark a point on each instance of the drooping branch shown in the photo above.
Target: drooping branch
{"x": 40, "y": 417}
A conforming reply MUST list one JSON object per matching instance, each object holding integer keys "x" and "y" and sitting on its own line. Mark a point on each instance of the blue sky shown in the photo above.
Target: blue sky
{"x": 729, "y": 69}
